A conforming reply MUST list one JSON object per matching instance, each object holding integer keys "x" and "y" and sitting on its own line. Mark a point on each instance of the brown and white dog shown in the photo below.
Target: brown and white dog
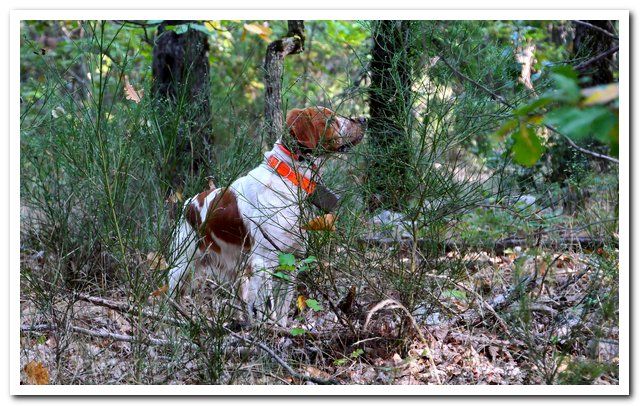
{"x": 233, "y": 232}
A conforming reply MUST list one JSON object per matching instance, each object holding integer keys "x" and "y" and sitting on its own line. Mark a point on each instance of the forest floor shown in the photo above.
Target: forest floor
{"x": 479, "y": 334}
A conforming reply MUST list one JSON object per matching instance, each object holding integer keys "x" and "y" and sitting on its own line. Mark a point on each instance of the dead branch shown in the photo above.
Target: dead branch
{"x": 97, "y": 334}
{"x": 484, "y": 303}
{"x": 126, "y": 308}
{"x": 593, "y": 27}
{"x": 585, "y": 64}
{"x": 497, "y": 247}
{"x": 292, "y": 43}
{"x": 264, "y": 348}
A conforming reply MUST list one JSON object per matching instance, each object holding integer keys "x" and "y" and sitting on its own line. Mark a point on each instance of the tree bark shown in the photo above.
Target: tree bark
{"x": 389, "y": 108}
{"x": 181, "y": 81}
{"x": 292, "y": 43}
{"x": 588, "y": 42}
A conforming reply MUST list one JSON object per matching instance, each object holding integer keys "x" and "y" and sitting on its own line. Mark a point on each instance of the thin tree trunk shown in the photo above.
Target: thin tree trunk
{"x": 389, "y": 108}
{"x": 292, "y": 43}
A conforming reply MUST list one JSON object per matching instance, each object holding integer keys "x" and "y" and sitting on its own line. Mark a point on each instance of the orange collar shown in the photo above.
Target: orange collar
{"x": 283, "y": 169}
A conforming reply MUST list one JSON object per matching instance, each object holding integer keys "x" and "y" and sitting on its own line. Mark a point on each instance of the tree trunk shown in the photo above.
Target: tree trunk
{"x": 389, "y": 108}
{"x": 181, "y": 82}
{"x": 588, "y": 43}
{"x": 292, "y": 43}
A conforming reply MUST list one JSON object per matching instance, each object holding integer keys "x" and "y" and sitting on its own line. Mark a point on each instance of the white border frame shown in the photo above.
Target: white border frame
{"x": 351, "y": 14}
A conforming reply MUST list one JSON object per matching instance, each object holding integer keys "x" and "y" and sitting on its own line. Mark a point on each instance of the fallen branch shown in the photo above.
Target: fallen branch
{"x": 497, "y": 247}
{"x": 263, "y": 347}
{"x": 126, "y": 308}
{"x": 484, "y": 303}
{"x": 97, "y": 334}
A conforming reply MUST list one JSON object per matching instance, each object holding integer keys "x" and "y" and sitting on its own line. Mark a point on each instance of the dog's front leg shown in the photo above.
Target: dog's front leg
{"x": 283, "y": 292}
{"x": 259, "y": 289}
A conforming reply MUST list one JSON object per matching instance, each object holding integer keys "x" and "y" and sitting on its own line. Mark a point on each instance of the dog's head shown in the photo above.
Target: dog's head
{"x": 320, "y": 130}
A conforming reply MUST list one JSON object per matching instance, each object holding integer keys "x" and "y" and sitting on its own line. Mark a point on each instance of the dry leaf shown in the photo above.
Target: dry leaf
{"x": 260, "y": 30}
{"x": 160, "y": 291}
{"x": 600, "y": 94}
{"x": 175, "y": 197}
{"x": 36, "y": 373}
{"x": 317, "y": 373}
{"x": 130, "y": 92}
{"x": 301, "y": 302}
{"x": 325, "y": 222}
{"x": 156, "y": 261}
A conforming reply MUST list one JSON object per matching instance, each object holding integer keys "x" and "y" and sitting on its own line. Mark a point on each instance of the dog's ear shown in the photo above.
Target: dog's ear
{"x": 303, "y": 127}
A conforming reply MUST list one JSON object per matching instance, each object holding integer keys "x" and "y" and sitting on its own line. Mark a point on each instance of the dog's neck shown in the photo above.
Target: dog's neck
{"x": 310, "y": 167}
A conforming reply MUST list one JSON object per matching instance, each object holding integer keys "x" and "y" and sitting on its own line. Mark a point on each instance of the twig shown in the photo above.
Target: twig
{"x": 281, "y": 362}
{"x": 98, "y": 334}
{"x": 264, "y": 348}
{"x": 484, "y": 303}
{"x": 594, "y": 27}
{"x": 596, "y": 58}
{"x": 126, "y": 308}
{"x": 503, "y": 101}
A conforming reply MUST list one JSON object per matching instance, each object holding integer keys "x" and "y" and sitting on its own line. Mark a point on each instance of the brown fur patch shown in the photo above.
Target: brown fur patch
{"x": 224, "y": 220}
{"x": 203, "y": 196}
{"x": 312, "y": 126}
{"x": 193, "y": 218}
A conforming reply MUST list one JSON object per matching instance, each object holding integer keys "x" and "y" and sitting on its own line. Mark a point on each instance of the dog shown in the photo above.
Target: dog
{"x": 235, "y": 233}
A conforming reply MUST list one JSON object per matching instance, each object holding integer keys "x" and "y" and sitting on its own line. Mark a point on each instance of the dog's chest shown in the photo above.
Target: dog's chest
{"x": 270, "y": 204}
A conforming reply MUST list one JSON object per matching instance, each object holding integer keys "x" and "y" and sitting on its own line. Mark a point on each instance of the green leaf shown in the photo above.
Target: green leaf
{"x": 578, "y": 123}
{"x": 310, "y": 260}
{"x": 566, "y": 81}
{"x": 313, "y": 305}
{"x": 286, "y": 260}
{"x": 527, "y": 147}
{"x": 566, "y": 71}
{"x": 454, "y": 293}
{"x": 567, "y": 90}
{"x": 357, "y": 353}
{"x": 201, "y": 28}
{"x": 297, "y": 331}
{"x": 533, "y": 106}
{"x": 181, "y": 29}
{"x": 507, "y": 128}
{"x": 282, "y": 275}
{"x": 340, "y": 361}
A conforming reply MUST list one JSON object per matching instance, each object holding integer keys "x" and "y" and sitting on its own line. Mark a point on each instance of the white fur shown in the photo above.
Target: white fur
{"x": 267, "y": 200}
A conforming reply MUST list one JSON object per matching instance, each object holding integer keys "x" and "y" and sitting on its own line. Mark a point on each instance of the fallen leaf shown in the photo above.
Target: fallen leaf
{"x": 160, "y": 291}
{"x": 130, "y": 92}
{"x": 36, "y": 373}
{"x": 156, "y": 261}
{"x": 301, "y": 302}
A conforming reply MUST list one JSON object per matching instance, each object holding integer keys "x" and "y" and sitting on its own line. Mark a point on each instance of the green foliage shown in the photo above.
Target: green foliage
{"x": 575, "y": 113}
